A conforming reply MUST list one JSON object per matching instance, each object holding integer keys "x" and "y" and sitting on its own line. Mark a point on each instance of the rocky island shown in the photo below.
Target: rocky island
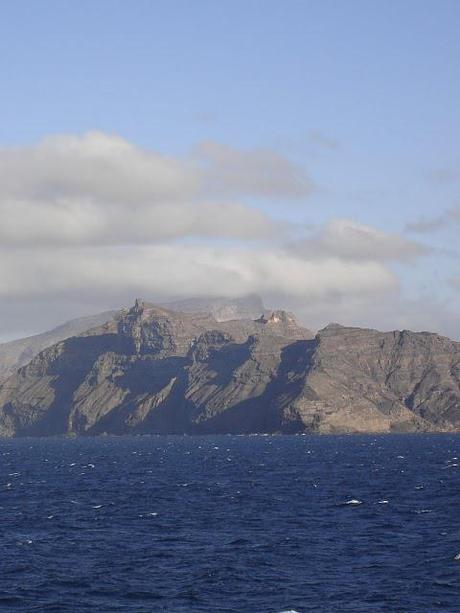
{"x": 152, "y": 369}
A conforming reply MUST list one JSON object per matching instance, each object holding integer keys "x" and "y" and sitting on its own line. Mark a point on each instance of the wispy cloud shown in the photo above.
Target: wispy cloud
{"x": 433, "y": 224}
{"x": 426, "y": 226}
{"x": 349, "y": 240}
{"x": 256, "y": 172}
{"x": 322, "y": 141}
{"x": 443, "y": 176}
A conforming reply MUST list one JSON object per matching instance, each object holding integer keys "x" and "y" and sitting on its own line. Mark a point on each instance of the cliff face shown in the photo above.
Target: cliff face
{"x": 365, "y": 380}
{"x": 154, "y": 370}
{"x": 17, "y": 353}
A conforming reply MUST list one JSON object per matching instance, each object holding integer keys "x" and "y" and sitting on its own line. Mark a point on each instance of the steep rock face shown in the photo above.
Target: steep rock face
{"x": 153, "y": 370}
{"x": 17, "y": 353}
{"x": 365, "y": 380}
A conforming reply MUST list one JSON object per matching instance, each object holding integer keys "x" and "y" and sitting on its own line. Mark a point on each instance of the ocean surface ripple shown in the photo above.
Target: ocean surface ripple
{"x": 231, "y": 523}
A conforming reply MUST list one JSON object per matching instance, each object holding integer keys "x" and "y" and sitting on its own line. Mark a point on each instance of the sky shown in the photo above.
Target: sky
{"x": 304, "y": 150}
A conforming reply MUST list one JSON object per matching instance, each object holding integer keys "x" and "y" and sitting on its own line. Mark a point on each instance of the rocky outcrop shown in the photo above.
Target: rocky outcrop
{"x": 151, "y": 370}
{"x": 370, "y": 381}
{"x": 154, "y": 370}
{"x": 17, "y": 353}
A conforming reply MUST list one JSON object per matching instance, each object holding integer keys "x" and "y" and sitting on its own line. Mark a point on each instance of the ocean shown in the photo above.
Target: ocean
{"x": 230, "y": 524}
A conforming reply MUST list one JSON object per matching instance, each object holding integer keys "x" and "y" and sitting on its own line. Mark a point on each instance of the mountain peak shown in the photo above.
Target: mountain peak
{"x": 148, "y": 309}
{"x": 157, "y": 370}
{"x": 278, "y": 317}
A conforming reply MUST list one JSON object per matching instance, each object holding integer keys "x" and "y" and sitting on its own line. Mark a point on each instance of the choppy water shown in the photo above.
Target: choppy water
{"x": 217, "y": 524}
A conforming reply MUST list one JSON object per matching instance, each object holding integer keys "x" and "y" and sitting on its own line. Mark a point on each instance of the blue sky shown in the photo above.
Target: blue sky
{"x": 362, "y": 96}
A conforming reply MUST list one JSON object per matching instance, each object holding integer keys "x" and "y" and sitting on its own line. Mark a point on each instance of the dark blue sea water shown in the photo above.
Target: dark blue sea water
{"x": 223, "y": 523}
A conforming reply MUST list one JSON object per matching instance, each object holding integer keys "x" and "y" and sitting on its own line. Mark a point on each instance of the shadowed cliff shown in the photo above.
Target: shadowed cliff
{"x": 155, "y": 370}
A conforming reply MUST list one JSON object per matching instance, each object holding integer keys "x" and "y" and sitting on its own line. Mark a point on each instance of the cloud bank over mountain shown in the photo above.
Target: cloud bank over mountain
{"x": 94, "y": 219}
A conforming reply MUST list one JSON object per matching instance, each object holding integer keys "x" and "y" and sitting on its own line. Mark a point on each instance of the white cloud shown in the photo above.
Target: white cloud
{"x": 184, "y": 270}
{"x": 77, "y": 221}
{"x": 390, "y": 311}
{"x": 258, "y": 172}
{"x": 100, "y": 189}
{"x": 95, "y": 165}
{"x": 349, "y": 240}
{"x": 93, "y": 221}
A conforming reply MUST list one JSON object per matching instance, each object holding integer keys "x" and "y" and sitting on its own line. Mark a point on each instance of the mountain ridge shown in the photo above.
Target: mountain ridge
{"x": 18, "y": 352}
{"x": 154, "y": 370}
